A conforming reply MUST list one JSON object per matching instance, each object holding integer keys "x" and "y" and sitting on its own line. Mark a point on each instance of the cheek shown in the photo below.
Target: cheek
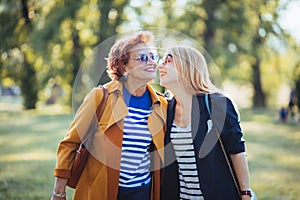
{"x": 173, "y": 74}
{"x": 170, "y": 77}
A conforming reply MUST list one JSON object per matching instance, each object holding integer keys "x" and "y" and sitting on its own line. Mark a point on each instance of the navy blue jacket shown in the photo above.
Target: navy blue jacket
{"x": 216, "y": 181}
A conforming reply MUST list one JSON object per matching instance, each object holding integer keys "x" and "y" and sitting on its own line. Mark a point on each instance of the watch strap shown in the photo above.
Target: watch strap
{"x": 246, "y": 192}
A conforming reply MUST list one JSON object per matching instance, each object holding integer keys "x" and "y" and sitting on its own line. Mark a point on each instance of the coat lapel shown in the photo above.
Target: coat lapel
{"x": 156, "y": 122}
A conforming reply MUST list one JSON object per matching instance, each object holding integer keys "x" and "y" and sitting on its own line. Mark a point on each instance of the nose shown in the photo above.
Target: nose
{"x": 160, "y": 64}
{"x": 152, "y": 61}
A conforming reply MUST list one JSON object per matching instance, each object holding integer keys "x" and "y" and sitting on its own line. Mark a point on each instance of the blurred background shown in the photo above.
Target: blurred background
{"x": 254, "y": 43}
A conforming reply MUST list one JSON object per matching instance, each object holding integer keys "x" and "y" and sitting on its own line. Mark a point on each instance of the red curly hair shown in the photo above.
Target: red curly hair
{"x": 119, "y": 53}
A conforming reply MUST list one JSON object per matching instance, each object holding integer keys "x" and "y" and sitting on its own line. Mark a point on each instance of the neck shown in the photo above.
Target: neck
{"x": 184, "y": 101}
{"x": 183, "y": 114}
{"x": 183, "y": 107}
{"x": 183, "y": 98}
{"x": 136, "y": 89}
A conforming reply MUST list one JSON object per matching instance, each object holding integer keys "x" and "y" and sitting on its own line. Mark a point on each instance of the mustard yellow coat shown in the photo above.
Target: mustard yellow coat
{"x": 100, "y": 178}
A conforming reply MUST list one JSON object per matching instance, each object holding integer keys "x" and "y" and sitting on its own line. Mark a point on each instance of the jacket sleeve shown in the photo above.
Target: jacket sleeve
{"x": 76, "y": 131}
{"x": 226, "y": 116}
{"x": 232, "y": 133}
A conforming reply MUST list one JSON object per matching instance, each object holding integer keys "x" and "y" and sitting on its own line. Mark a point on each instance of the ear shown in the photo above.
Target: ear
{"x": 126, "y": 69}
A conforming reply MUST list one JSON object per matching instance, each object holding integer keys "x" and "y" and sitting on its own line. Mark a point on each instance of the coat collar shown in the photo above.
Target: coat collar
{"x": 117, "y": 110}
{"x": 117, "y": 87}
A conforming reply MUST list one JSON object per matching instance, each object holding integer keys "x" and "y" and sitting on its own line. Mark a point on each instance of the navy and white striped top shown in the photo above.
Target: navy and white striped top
{"x": 182, "y": 141}
{"x": 135, "y": 158}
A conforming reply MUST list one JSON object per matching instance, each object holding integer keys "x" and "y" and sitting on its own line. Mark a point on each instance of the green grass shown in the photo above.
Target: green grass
{"x": 28, "y": 142}
{"x": 273, "y": 150}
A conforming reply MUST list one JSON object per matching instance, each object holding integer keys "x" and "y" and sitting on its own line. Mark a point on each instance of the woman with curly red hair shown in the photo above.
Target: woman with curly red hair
{"x": 129, "y": 140}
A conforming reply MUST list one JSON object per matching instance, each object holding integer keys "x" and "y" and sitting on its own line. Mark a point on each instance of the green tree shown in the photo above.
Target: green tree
{"x": 263, "y": 27}
{"x": 48, "y": 40}
{"x": 242, "y": 30}
{"x": 73, "y": 30}
{"x": 16, "y": 50}
{"x": 234, "y": 33}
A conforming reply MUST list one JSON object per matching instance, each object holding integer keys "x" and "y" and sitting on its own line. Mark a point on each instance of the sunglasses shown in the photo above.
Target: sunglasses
{"x": 144, "y": 58}
{"x": 166, "y": 59}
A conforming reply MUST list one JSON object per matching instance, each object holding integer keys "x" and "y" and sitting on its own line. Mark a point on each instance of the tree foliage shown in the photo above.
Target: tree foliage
{"x": 45, "y": 42}
{"x": 16, "y": 51}
{"x": 235, "y": 34}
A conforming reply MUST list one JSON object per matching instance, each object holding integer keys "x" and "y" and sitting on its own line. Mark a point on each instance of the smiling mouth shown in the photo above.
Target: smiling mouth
{"x": 162, "y": 74}
{"x": 150, "y": 69}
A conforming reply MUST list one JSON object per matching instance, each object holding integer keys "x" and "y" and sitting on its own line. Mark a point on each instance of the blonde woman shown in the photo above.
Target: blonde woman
{"x": 196, "y": 167}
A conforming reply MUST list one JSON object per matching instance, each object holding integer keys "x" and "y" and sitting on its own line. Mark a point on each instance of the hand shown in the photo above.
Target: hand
{"x": 59, "y": 188}
{"x": 246, "y": 197}
{"x": 58, "y": 198}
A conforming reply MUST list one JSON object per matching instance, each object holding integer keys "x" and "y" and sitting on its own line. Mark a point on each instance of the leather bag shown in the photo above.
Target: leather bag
{"x": 82, "y": 153}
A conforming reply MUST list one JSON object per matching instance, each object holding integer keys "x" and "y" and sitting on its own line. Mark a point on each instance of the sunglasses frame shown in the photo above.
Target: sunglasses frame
{"x": 144, "y": 58}
{"x": 163, "y": 60}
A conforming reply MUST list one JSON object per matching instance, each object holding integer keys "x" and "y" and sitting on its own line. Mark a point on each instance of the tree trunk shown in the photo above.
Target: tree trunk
{"x": 106, "y": 29}
{"x": 28, "y": 81}
{"x": 76, "y": 54}
{"x": 209, "y": 33}
{"x": 259, "y": 95}
{"x": 29, "y": 88}
{"x": 297, "y": 89}
{"x": 25, "y": 12}
{"x": 75, "y": 59}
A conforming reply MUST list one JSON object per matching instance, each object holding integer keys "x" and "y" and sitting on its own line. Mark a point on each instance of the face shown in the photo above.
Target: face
{"x": 142, "y": 63}
{"x": 167, "y": 70}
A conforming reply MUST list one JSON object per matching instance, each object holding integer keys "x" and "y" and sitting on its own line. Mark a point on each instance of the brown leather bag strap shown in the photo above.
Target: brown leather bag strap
{"x": 102, "y": 104}
{"x": 88, "y": 138}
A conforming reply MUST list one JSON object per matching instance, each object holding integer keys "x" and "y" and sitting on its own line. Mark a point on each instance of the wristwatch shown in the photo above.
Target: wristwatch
{"x": 247, "y": 192}
{"x": 59, "y": 195}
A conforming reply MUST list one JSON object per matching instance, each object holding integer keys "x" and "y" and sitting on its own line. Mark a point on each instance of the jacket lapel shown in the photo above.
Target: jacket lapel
{"x": 156, "y": 122}
{"x": 116, "y": 109}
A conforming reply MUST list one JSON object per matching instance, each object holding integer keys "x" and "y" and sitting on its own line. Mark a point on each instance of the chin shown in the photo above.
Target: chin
{"x": 151, "y": 77}
{"x": 162, "y": 83}
{"x": 148, "y": 79}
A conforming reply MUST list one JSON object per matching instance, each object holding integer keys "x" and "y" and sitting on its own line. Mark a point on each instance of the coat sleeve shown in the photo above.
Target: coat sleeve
{"x": 225, "y": 114}
{"x": 76, "y": 131}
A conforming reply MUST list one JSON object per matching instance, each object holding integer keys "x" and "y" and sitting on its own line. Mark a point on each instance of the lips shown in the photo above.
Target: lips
{"x": 162, "y": 74}
{"x": 150, "y": 69}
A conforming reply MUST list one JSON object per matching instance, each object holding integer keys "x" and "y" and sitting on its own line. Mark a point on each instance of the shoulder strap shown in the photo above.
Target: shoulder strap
{"x": 94, "y": 124}
{"x": 222, "y": 146}
{"x": 170, "y": 114}
{"x": 207, "y": 104}
{"x": 102, "y": 104}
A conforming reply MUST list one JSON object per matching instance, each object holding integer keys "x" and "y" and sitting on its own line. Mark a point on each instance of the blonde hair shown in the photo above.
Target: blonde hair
{"x": 193, "y": 70}
{"x": 119, "y": 53}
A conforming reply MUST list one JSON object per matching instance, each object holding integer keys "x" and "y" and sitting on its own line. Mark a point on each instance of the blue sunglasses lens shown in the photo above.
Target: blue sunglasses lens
{"x": 145, "y": 58}
{"x": 154, "y": 57}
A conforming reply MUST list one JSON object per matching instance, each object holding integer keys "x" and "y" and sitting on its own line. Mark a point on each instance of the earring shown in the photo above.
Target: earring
{"x": 123, "y": 78}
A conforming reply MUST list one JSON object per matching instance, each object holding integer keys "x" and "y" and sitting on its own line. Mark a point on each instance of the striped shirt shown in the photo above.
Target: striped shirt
{"x": 135, "y": 158}
{"x": 182, "y": 141}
